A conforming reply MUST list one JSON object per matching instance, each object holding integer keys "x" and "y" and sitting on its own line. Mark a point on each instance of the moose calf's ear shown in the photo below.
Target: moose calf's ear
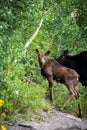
{"x": 47, "y": 53}
{"x": 37, "y": 51}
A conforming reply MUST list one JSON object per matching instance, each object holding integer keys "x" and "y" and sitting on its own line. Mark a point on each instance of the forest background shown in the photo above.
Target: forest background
{"x": 64, "y": 26}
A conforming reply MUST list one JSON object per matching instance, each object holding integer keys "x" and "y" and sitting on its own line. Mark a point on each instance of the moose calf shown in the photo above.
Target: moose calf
{"x": 52, "y": 70}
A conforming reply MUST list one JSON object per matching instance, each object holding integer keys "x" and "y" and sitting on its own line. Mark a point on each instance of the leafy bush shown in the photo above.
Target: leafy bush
{"x": 21, "y": 95}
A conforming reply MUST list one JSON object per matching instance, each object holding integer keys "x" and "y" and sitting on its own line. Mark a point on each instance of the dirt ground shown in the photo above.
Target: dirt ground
{"x": 55, "y": 121}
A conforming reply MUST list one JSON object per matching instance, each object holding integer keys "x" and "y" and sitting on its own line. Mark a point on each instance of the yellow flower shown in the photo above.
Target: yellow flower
{"x": 1, "y": 102}
{"x": 3, "y": 127}
{"x": 3, "y": 114}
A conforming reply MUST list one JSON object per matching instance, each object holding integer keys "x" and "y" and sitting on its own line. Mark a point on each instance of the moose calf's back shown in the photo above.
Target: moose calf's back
{"x": 53, "y": 68}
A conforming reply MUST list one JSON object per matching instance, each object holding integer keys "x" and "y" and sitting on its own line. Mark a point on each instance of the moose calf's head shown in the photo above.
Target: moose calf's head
{"x": 42, "y": 56}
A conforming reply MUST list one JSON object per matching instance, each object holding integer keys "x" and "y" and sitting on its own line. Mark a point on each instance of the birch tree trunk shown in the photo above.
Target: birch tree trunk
{"x": 33, "y": 36}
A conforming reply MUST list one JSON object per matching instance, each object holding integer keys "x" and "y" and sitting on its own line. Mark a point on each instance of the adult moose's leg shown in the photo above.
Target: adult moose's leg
{"x": 50, "y": 80}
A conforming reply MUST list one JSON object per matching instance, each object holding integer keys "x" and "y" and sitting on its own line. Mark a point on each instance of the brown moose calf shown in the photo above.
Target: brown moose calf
{"x": 52, "y": 70}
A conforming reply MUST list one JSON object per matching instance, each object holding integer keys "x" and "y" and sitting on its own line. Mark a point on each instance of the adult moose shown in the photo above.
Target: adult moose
{"x": 52, "y": 70}
{"x": 77, "y": 62}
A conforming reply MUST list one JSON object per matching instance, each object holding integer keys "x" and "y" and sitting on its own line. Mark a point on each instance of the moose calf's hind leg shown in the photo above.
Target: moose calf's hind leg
{"x": 79, "y": 107}
{"x": 77, "y": 95}
{"x": 76, "y": 90}
{"x": 69, "y": 98}
{"x": 70, "y": 88}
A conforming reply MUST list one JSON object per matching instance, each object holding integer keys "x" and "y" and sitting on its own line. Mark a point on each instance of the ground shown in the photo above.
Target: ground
{"x": 55, "y": 120}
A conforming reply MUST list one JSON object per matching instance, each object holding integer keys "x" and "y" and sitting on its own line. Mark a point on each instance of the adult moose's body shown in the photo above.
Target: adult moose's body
{"x": 77, "y": 62}
{"x": 52, "y": 70}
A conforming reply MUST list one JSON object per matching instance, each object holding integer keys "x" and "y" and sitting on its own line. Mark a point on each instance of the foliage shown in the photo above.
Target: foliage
{"x": 2, "y": 115}
{"x": 21, "y": 84}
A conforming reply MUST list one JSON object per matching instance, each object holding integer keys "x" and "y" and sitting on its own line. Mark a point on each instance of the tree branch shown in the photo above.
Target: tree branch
{"x": 78, "y": 39}
{"x": 33, "y": 36}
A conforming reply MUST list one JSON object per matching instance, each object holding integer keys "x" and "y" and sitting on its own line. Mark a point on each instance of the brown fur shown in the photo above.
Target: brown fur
{"x": 52, "y": 70}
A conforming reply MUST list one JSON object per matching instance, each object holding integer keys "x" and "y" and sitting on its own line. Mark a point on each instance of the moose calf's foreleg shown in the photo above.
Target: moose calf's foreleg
{"x": 50, "y": 80}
